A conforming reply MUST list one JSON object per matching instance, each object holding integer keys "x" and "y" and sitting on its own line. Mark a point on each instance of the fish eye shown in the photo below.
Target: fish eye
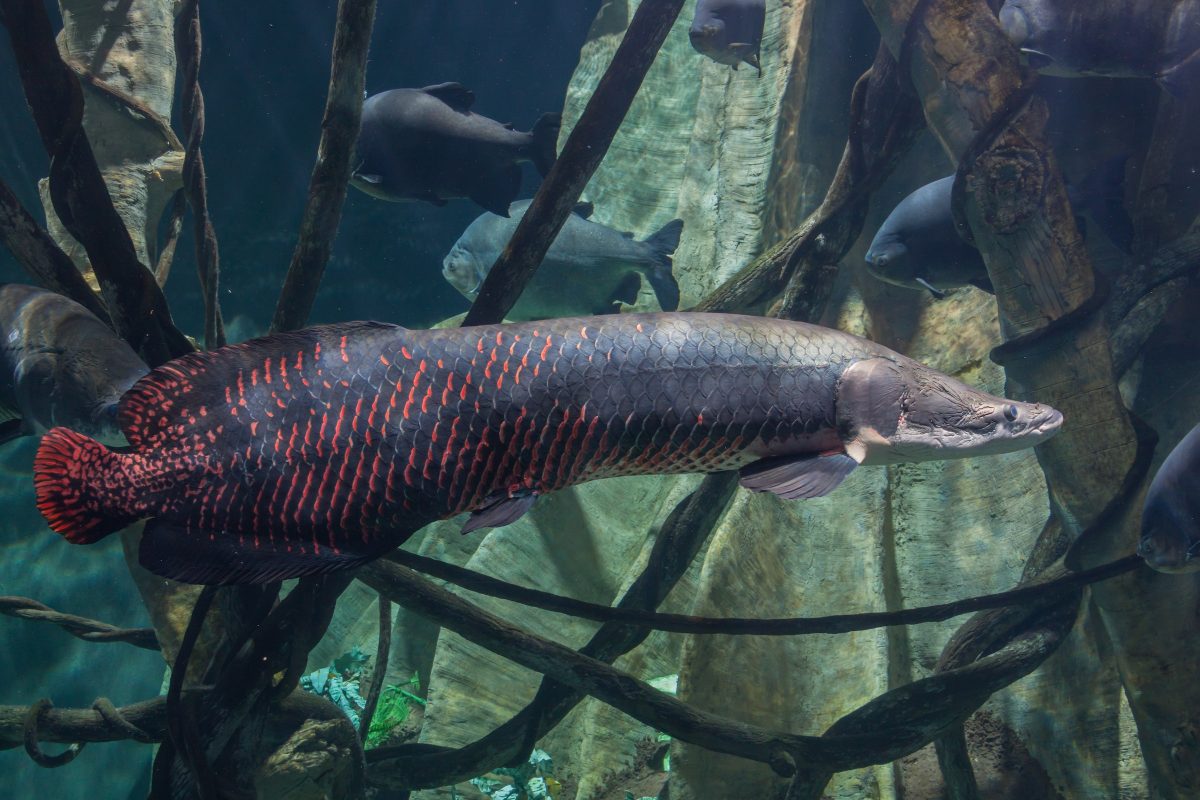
{"x": 1010, "y": 413}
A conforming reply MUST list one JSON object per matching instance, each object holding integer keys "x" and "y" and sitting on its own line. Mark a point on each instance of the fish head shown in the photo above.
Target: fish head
{"x": 710, "y": 39}
{"x": 1170, "y": 534}
{"x": 893, "y": 409}
{"x": 462, "y": 269}
{"x": 1031, "y": 25}
{"x": 888, "y": 260}
{"x": 1168, "y": 542}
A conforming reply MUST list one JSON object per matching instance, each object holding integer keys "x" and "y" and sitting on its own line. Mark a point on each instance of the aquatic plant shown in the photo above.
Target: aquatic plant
{"x": 396, "y": 703}
{"x": 530, "y": 781}
{"x": 340, "y": 683}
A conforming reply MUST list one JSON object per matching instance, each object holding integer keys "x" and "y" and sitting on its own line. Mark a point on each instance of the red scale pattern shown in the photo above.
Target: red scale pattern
{"x": 350, "y": 437}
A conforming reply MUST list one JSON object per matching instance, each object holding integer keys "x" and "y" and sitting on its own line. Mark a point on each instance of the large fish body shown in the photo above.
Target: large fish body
{"x": 729, "y": 31}
{"x": 1116, "y": 38}
{"x": 1170, "y": 539}
{"x": 426, "y": 144}
{"x": 318, "y": 449}
{"x": 60, "y": 365}
{"x": 586, "y": 270}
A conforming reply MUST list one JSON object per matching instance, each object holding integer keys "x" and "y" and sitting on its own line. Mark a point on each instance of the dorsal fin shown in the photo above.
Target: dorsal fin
{"x": 173, "y": 398}
{"x": 455, "y": 95}
{"x": 584, "y": 209}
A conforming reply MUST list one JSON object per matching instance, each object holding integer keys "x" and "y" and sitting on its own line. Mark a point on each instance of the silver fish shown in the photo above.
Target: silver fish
{"x": 60, "y": 365}
{"x": 426, "y": 144}
{"x": 586, "y": 270}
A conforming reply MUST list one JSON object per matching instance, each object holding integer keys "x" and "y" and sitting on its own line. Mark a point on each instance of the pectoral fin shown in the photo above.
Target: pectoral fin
{"x": 1036, "y": 58}
{"x": 505, "y": 510}
{"x": 794, "y": 477}
{"x": 749, "y": 53}
{"x": 933, "y": 290}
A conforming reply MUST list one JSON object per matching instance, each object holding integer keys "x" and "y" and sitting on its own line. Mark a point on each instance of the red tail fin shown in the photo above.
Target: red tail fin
{"x": 73, "y": 477}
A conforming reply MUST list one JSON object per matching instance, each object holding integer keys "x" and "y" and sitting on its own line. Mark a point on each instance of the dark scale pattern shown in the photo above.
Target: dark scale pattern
{"x": 350, "y": 437}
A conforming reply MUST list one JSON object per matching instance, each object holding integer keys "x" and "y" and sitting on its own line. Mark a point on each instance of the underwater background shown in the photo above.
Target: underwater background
{"x": 265, "y": 71}
{"x": 742, "y": 158}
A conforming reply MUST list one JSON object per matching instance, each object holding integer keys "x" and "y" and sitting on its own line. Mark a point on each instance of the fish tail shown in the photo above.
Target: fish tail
{"x": 80, "y": 486}
{"x": 545, "y": 142}
{"x": 661, "y": 274}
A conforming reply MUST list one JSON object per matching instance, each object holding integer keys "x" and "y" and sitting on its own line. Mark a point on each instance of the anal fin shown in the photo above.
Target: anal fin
{"x": 503, "y": 511}
{"x": 193, "y": 555}
{"x": 793, "y": 477}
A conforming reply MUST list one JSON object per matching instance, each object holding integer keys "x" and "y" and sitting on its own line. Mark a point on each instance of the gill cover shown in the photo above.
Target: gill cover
{"x": 870, "y": 399}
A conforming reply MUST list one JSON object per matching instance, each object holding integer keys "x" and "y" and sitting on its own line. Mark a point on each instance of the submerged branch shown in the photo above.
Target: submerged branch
{"x": 80, "y": 197}
{"x": 748, "y": 626}
{"x": 379, "y": 670}
{"x": 44, "y": 260}
{"x": 582, "y": 153}
{"x": 886, "y": 728}
{"x": 188, "y": 47}
{"x": 682, "y": 536}
{"x": 331, "y": 175}
{"x": 145, "y": 721}
{"x": 89, "y": 630}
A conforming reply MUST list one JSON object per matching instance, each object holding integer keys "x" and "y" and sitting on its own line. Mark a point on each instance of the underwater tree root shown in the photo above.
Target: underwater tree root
{"x": 90, "y": 630}
{"x": 41, "y": 258}
{"x": 479, "y": 583}
{"x": 80, "y": 197}
{"x": 331, "y": 174}
{"x": 582, "y": 153}
{"x": 32, "y": 719}
{"x": 379, "y": 671}
{"x": 188, "y": 47}
{"x": 681, "y": 537}
{"x": 886, "y": 728}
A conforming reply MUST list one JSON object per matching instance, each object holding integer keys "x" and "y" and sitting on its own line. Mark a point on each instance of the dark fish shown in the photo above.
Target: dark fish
{"x": 587, "y": 269}
{"x": 1157, "y": 39}
{"x": 319, "y": 449}
{"x": 729, "y": 31}
{"x": 1171, "y": 516}
{"x": 60, "y": 365}
{"x": 918, "y": 246}
{"x": 425, "y": 144}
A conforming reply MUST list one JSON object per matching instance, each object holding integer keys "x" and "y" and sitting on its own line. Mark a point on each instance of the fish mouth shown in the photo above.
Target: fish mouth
{"x": 1174, "y": 560}
{"x": 1048, "y": 424}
